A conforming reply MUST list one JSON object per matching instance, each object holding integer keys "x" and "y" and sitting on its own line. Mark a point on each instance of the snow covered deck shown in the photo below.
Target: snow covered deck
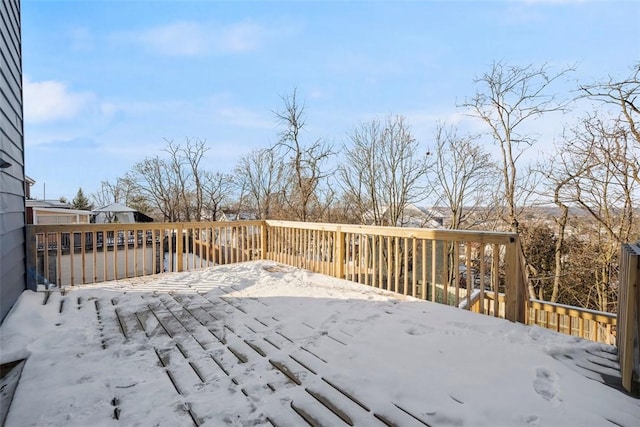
{"x": 260, "y": 343}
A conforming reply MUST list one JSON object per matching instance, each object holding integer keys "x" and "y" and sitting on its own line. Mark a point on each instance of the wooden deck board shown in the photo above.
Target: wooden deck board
{"x": 203, "y": 347}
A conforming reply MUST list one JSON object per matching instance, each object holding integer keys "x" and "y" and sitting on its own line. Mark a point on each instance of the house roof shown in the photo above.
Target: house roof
{"x": 115, "y": 208}
{"x": 47, "y": 204}
{"x": 235, "y": 214}
{"x": 62, "y": 211}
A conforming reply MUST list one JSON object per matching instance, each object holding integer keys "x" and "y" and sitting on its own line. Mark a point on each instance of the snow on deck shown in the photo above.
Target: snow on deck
{"x": 263, "y": 344}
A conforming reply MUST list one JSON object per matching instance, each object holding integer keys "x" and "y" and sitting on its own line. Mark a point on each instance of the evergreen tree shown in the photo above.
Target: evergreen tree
{"x": 81, "y": 202}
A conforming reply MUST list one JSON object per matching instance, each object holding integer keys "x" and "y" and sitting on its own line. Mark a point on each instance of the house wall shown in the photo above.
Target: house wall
{"x": 12, "y": 204}
{"x": 52, "y": 217}
{"x": 45, "y": 218}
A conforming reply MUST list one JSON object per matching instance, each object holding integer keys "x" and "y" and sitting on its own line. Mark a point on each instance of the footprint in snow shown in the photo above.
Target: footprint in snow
{"x": 415, "y": 331}
{"x": 546, "y": 383}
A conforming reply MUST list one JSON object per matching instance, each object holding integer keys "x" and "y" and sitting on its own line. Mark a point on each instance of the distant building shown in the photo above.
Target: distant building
{"x": 45, "y": 212}
{"x": 119, "y": 213}
{"x": 413, "y": 217}
{"x": 236, "y": 215}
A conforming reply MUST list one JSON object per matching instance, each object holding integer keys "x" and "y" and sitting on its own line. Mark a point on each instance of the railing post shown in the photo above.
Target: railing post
{"x": 628, "y": 325}
{"x": 263, "y": 240}
{"x": 514, "y": 298}
{"x": 523, "y": 286}
{"x": 339, "y": 259}
{"x": 179, "y": 246}
{"x": 32, "y": 258}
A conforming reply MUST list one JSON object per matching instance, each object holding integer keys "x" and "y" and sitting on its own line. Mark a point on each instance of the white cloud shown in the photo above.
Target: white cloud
{"x": 317, "y": 94}
{"x": 243, "y": 117}
{"x": 188, "y": 38}
{"x": 521, "y": 12}
{"x": 81, "y": 39}
{"x": 139, "y": 108}
{"x": 50, "y": 101}
{"x": 550, "y": 1}
{"x": 241, "y": 37}
{"x": 179, "y": 39}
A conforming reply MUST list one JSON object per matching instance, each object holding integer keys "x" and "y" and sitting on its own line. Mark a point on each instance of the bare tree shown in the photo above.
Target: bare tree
{"x": 561, "y": 169}
{"x": 258, "y": 176}
{"x": 193, "y": 152}
{"x": 215, "y": 190}
{"x": 179, "y": 173}
{"x": 599, "y": 179}
{"x": 109, "y": 192}
{"x": 173, "y": 185}
{"x": 384, "y": 170}
{"x": 124, "y": 190}
{"x": 508, "y": 97}
{"x": 463, "y": 171}
{"x": 305, "y": 161}
{"x": 156, "y": 180}
{"x": 622, "y": 94}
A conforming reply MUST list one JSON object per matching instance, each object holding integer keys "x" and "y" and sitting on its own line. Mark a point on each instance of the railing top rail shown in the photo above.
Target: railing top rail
{"x": 67, "y": 228}
{"x": 53, "y": 228}
{"x": 421, "y": 233}
{"x": 200, "y": 224}
{"x": 600, "y": 316}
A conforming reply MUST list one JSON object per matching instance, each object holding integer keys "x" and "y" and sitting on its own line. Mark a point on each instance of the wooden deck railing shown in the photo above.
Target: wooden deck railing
{"x": 435, "y": 265}
{"x": 75, "y": 254}
{"x": 590, "y": 324}
{"x": 478, "y": 271}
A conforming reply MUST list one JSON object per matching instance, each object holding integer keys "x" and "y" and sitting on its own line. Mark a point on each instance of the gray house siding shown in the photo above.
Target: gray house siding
{"x": 12, "y": 210}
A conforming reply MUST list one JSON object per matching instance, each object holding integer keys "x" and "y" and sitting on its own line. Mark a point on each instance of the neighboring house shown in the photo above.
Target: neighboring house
{"x": 12, "y": 179}
{"x": 119, "y": 213}
{"x": 228, "y": 237}
{"x": 115, "y": 212}
{"x": 46, "y": 212}
{"x": 236, "y": 215}
{"x": 421, "y": 217}
{"x": 140, "y": 217}
{"x": 51, "y": 216}
{"x": 28, "y": 183}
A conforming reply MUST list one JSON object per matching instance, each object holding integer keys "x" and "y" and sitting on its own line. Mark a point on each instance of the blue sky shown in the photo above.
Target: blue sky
{"x": 105, "y": 82}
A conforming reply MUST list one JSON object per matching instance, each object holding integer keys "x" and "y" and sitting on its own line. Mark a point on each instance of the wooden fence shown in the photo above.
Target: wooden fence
{"x": 478, "y": 271}
{"x": 629, "y": 317}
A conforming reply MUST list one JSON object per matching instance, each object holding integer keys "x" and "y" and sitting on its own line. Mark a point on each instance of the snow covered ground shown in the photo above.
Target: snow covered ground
{"x": 264, "y": 344}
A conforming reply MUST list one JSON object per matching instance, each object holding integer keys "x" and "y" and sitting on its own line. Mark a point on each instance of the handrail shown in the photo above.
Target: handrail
{"x": 53, "y": 228}
{"x": 568, "y": 310}
{"x": 424, "y": 233}
{"x": 589, "y": 324}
